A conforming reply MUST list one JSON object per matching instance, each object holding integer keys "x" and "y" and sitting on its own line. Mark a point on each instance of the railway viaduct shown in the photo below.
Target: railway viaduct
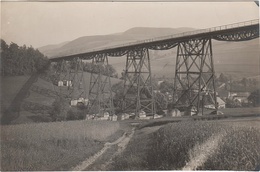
{"x": 194, "y": 70}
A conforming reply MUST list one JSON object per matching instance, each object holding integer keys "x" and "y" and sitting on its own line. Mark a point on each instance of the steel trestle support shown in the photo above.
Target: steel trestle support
{"x": 62, "y": 72}
{"x": 100, "y": 93}
{"x": 76, "y": 76}
{"x": 194, "y": 83}
{"x": 72, "y": 77}
{"x": 138, "y": 90}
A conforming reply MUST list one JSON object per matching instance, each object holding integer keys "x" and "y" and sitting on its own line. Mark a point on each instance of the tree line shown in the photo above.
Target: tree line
{"x": 20, "y": 60}
{"x": 244, "y": 84}
{"x": 107, "y": 70}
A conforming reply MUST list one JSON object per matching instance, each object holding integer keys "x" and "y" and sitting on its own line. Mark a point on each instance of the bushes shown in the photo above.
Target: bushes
{"x": 255, "y": 97}
{"x": 76, "y": 114}
{"x": 59, "y": 109}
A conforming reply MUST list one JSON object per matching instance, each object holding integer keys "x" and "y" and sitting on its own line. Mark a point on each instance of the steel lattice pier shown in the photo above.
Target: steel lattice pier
{"x": 138, "y": 90}
{"x": 100, "y": 93}
{"x": 194, "y": 74}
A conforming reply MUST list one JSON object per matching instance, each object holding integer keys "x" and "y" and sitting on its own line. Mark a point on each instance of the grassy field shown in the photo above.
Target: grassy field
{"x": 53, "y": 146}
{"x": 203, "y": 145}
{"x": 10, "y": 86}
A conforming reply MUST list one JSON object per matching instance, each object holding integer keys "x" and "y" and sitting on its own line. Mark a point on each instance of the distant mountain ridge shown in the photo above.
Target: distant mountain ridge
{"x": 47, "y": 48}
{"x": 86, "y": 43}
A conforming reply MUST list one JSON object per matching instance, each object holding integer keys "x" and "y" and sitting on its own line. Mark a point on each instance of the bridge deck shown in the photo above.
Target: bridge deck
{"x": 172, "y": 39}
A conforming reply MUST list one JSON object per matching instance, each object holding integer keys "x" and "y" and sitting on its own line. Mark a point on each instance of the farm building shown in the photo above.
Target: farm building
{"x": 239, "y": 96}
{"x": 221, "y": 104}
{"x": 65, "y": 83}
{"x": 81, "y": 100}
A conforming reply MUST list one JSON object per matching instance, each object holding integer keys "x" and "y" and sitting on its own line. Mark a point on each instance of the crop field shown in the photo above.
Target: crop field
{"x": 53, "y": 146}
{"x": 189, "y": 145}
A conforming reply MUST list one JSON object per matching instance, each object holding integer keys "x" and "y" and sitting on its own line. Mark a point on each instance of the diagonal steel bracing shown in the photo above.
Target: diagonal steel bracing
{"x": 76, "y": 76}
{"x": 71, "y": 72}
{"x": 100, "y": 93}
{"x": 194, "y": 74}
{"x": 62, "y": 72}
{"x": 138, "y": 90}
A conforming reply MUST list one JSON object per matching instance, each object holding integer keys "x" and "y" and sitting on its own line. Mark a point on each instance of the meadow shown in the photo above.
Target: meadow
{"x": 10, "y": 86}
{"x": 53, "y": 146}
{"x": 189, "y": 145}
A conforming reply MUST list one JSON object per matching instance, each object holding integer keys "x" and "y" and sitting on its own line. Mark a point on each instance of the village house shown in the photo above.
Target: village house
{"x": 239, "y": 96}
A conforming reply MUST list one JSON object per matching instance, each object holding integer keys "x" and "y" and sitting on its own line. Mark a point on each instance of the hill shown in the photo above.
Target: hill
{"x": 86, "y": 43}
{"x": 50, "y": 47}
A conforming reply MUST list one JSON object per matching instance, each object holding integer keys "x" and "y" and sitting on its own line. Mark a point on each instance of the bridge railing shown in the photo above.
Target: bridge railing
{"x": 217, "y": 28}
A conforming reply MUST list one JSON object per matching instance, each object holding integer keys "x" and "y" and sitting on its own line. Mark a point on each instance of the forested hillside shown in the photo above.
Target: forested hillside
{"x": 20, "y": 60}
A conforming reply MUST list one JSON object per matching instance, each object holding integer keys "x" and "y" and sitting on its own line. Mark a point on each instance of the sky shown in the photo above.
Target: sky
{"x": 42, "y": 23}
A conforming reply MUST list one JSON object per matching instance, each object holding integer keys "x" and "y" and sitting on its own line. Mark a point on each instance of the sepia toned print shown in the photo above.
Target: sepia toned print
{"x": 130, "y": 86}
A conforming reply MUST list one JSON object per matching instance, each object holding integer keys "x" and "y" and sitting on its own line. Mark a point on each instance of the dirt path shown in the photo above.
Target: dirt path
{"x": 200, "y": 153}
{"x": 121, "y": 147}
{"x": 122, "y": 143}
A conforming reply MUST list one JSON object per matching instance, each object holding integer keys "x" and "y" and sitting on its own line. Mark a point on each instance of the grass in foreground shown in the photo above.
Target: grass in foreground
{"x": 170, "y": 148}
{"x": 10, "y": 87}
{"x": 239, "y": 150}
{"x": 52, "y": 146}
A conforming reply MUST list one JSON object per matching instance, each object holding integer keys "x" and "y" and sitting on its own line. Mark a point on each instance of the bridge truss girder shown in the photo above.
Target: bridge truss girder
{"x": 194, "y": 74}
{"x": 138, "y": 91}
{"x": 240, "y": 35}
{"x": 100, "y": 93}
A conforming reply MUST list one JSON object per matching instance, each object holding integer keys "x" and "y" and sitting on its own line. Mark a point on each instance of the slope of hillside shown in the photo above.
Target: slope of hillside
{"x": 11, "y": 86}
{"x": 87, "y": 43}
{"x": 52, "y": 46}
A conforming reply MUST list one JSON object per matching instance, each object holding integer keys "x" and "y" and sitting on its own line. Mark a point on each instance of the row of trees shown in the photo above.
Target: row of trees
{"x": 20, "y": 60}
{"x": 244, "y": 84}
{"x": 107, "y": 70}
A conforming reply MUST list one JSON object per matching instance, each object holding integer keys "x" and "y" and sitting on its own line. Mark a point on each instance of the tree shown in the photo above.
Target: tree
{"x": 166, "y": 86}
{"x": 254, "y": 97}
{"x": 223, "y": 78}
{"x": 22, "y": 60}
{"x": 244, "y": 82}
{"x": 118, "y": 89}
{"x": 59, "y": 110}
{"x": 161, "y": 101}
